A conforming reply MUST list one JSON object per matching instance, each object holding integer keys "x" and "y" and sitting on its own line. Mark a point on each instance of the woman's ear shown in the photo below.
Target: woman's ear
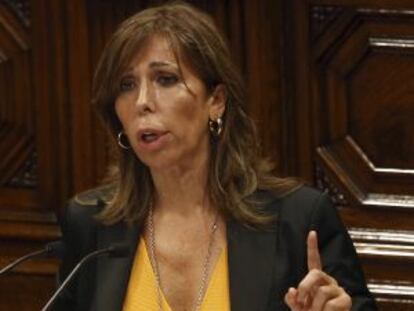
{"x": 218, "y": 101}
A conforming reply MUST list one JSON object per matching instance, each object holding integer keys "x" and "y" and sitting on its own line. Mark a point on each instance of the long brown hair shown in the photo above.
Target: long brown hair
{"x": 236, "y": 169}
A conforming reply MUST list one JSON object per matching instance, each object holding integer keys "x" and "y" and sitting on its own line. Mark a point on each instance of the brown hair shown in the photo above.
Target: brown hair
{"x": 236, "y": 169}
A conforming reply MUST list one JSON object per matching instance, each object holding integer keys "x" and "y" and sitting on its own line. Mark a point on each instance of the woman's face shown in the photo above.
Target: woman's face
{"x": 164, "y": 111}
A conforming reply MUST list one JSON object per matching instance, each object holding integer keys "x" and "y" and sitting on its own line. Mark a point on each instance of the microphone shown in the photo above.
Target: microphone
{"x": 53, "y": 249}
{"x": 115, "y": 250}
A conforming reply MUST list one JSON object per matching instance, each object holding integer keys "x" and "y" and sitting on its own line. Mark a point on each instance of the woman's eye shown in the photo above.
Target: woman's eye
{"x": 127, "y": 85}
{"x": 167, "y": 80}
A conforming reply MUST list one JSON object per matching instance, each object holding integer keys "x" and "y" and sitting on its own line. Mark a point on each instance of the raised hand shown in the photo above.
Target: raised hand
{"x": 317, "y": 291}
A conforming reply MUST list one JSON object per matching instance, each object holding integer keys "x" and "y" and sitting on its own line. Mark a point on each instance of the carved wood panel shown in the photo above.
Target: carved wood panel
{"x": 17, "y": 146}
{"x": 354, "y": 70}
{"x": 26, "y": 220}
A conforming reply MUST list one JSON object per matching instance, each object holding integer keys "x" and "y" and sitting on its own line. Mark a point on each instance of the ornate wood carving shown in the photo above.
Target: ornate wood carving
{"x": 24, "y": 223}
{"x": 322, "y": 17}
{"x": 369, "y": 144}
{"x": 16, "y": 117}
{"x": 324, "y": 183}
{"x": 21, "y": 9}
{"x": 27, "y": 175}
{"x": 352, "y": 69}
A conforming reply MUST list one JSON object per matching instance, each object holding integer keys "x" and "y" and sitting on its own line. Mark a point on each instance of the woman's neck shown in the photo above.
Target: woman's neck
{"x": 182, "y": 190}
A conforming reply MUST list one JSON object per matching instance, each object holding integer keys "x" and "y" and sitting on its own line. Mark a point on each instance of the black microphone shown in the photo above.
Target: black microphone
{"x": 115, "y": 250}
{"x": 53, "y": 249}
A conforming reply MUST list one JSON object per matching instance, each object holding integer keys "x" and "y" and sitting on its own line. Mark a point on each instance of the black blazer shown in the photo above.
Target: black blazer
{"x": 262, "y": 264}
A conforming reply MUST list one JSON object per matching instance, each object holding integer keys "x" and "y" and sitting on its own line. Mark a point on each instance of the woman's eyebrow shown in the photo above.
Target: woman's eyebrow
{"x": 163, "y": 64}
{"x": 155, "y": 64}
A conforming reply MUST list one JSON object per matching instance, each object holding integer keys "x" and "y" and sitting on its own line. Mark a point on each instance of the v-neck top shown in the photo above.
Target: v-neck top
{"x": 142, "y": 293}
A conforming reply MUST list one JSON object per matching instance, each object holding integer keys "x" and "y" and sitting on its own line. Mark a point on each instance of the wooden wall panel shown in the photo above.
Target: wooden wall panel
{"x": 353, "y": 77}
{"x": 17, "y": 148}
{"x": 26, "y": 218}
{"x": 329, "y": 87}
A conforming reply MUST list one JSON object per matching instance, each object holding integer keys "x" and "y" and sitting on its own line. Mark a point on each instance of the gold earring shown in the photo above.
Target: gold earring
{"x": 215, "y": 126}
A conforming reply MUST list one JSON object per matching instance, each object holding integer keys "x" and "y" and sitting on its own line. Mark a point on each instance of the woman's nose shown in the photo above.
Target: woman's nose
{"x": 144, "y": 101}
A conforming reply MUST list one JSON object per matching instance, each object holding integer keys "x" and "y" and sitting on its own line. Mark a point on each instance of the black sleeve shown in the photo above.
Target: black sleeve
{"x": 78, "y": 235}
{"x": 338, "y": 254}
{"x": 66, "y": 300}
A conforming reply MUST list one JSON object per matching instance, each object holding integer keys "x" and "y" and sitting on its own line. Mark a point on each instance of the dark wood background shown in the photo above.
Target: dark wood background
{"x": 332, "y": 89}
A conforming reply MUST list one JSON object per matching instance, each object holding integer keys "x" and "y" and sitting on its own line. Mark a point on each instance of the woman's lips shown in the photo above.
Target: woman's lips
{"x": 151, "y": 140}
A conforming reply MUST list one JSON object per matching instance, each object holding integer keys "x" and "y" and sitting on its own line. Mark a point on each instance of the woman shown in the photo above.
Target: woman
{"x": 209, "y": 226}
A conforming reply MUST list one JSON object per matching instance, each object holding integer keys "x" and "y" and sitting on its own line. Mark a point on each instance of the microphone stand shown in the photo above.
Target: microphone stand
{"x": 53, "y": 249}
{"x": 114, "y": 250}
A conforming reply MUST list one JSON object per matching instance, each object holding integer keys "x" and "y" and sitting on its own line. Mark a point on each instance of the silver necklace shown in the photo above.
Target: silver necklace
{"x": 154, "y": 262}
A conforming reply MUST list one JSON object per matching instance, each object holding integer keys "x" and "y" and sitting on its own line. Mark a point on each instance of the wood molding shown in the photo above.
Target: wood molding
{"x": 387, "y": 256}
{"x": 350, "y": 64}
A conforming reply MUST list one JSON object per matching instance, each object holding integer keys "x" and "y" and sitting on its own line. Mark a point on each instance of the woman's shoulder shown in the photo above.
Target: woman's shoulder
{"x": 303, "y": 194}
{"x": 81, "y": 211}
{"x": 303, "y": 197}
{"x": 96, "y": 196}
{"x": 303, "y": 203}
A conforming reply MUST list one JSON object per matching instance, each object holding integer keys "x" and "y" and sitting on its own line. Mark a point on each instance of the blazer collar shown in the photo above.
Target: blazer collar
{"x": 251, "y": 261}
{"x": 112, "y": 273}
{"x": 251, "y": 265}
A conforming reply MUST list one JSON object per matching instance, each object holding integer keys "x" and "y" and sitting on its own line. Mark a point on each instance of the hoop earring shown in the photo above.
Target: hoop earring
{"x": 216, "y": 126}
{"x": 120, "y": 143}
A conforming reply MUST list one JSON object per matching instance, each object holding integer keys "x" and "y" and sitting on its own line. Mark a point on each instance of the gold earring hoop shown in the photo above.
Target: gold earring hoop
{"x": 216, "y": 126}
{"x": 120, "y": 143}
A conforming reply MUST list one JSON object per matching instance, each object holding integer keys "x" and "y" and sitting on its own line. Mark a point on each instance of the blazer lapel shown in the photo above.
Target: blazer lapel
{"x": 251, "y": 262}
{"x": 112, "y": 273}
{"x": 251, "y": 266}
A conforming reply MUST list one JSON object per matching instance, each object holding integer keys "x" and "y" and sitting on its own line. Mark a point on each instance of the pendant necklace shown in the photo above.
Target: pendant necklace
{"x": 155, "y": 266}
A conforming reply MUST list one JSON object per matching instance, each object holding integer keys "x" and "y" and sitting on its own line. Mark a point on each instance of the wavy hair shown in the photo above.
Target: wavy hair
{"x": 236, "y": 169}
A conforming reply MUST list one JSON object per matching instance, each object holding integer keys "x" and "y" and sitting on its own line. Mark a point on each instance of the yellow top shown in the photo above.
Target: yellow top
{"x": 142, "y": 294}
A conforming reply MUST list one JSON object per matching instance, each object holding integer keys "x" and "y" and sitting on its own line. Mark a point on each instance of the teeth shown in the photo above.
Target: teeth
{"x": 149, "y": 137}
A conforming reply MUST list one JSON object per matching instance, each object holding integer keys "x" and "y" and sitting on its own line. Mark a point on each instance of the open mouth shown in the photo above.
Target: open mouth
{"x": 149, "y": 137}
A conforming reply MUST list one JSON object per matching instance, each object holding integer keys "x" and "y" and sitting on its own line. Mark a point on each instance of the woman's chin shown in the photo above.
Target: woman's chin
{"x": 164, "y": 162}
{"x": 159, "y": 165}
{"x": 168, "y": 167}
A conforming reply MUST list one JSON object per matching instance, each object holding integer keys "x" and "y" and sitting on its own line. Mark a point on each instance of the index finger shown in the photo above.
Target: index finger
{"x": 314, "y": 258}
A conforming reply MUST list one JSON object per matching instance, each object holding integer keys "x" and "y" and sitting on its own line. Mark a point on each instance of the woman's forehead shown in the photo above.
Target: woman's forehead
{"x": 160, "y": 51}
{"x": 156, "y": 50}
